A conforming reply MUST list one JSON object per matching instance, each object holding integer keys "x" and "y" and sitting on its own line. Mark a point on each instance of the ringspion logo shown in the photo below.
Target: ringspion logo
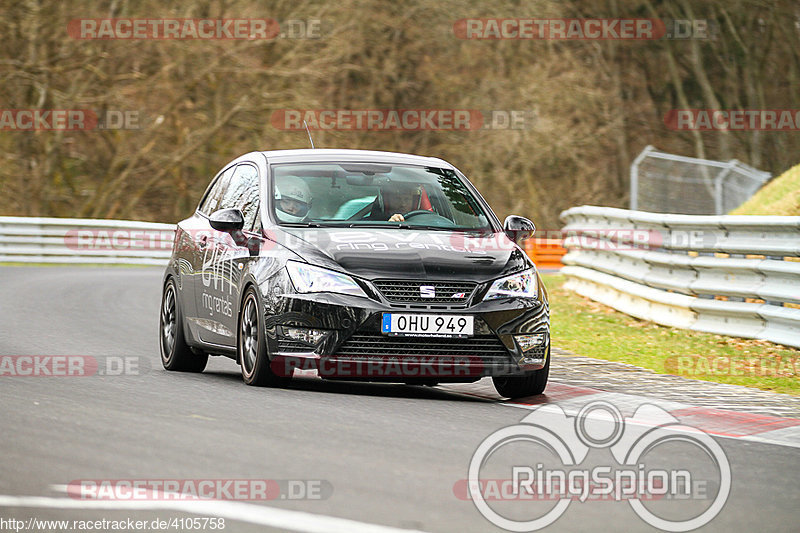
{"x": 518, "y": 471}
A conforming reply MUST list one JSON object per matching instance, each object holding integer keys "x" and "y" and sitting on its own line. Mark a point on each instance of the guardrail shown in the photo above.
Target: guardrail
{"x": 732, "y": 275}
{"x": 74, "y": 240}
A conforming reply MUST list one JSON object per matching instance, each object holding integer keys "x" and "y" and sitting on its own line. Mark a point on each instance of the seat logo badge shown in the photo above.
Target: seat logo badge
{"x": 427, "y": 291}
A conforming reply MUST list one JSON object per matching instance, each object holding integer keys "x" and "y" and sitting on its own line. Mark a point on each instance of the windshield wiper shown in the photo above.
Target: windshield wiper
{"x": 301, "y": 224}
{"x": 380, "y": 226}
{"x": 434, "y": 228}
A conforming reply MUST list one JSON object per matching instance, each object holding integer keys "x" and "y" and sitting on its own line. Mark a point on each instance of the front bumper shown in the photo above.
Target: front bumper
{"x": 350, "y": 344}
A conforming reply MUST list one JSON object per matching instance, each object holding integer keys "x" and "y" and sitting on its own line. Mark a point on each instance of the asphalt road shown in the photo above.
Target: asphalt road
{"x": 389, "y": 454}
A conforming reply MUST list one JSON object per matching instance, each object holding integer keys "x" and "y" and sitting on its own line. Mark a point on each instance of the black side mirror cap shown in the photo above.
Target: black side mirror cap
{"x": 227, "y": 220}
{"x": 518, "y": 228}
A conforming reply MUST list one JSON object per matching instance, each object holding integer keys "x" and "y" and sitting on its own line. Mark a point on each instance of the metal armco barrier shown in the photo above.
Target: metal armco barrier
{"x": 732, "y": 275}
{"x": 73, "y": 240}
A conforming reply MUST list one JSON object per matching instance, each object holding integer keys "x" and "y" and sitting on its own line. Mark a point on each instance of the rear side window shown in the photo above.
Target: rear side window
{"x": 212, "y": 200}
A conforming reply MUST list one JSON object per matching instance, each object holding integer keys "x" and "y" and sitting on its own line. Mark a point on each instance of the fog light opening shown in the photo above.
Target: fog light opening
{"x": 309, "y": 336}
{"x": 527, "y": 343}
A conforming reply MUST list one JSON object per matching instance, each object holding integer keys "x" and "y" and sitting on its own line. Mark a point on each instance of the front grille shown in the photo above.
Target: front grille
{"x": 445, "y": 292}
{"x": 365, "y": 346}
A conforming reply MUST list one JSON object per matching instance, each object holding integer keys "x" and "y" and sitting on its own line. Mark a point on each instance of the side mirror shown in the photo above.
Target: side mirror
{"x": 518, "y": 228}
{"x": 227, "y": 220}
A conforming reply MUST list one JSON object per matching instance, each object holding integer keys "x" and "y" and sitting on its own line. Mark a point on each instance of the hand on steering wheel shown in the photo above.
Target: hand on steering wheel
{"x": 416, "y": 212}
{"x": 397, "y": 217}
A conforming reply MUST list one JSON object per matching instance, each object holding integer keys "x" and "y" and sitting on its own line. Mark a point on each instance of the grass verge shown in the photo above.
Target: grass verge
{"x": 588, "y": 328}
{"x": 781, "y": 196}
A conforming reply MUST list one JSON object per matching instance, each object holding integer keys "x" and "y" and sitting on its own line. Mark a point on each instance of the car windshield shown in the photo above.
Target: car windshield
{"x": 374, "y": 194}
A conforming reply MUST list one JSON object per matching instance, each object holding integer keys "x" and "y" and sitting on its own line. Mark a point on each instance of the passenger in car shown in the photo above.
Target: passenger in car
{"x": 292, "y": 198}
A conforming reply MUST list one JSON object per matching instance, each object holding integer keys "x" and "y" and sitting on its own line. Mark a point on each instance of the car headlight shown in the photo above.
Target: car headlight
{"x": 310, "y": 278}
{"x": 522, "y": 285}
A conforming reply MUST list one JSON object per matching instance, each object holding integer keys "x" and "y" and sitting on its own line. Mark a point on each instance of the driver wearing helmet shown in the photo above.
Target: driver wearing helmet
{"x": 397, "y": 198}
{"x": 292, "y": 199}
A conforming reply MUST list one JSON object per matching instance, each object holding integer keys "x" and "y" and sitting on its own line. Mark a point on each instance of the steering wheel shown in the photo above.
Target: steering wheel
{"x": 416, "y": 212}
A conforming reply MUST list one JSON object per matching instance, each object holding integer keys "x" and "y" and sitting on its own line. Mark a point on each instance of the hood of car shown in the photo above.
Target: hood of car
{"x": 406, "y": 253}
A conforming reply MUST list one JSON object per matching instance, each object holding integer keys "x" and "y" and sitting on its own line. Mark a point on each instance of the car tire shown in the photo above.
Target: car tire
{"x": 251, "y": 345}
{"x": 529, "y": 384}
{"x": 175, "y": 353}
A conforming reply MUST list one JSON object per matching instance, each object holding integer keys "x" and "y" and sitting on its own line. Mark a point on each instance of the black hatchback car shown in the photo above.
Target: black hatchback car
{"x": 359, "y": 265}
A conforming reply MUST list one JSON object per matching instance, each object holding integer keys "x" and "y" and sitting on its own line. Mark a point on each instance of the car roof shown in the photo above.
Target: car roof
{"x": 326, "y": 154}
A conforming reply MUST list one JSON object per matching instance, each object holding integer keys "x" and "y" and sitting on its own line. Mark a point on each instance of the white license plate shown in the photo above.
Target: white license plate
{"x": 427, "y": 325}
